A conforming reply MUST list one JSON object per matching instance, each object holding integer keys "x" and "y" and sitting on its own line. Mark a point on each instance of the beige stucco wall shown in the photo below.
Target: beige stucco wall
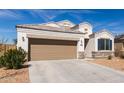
{"x": 83, "y": 26}
{"x": 30, "y": 33}
{"x": 20, "y": 42}
{"x": 50, "y": 33}
{"x": 119, "y": 46}
{"x": 90, "y": 47}
{"x": 106, "y": 35}
{"x": 119, "y": 49}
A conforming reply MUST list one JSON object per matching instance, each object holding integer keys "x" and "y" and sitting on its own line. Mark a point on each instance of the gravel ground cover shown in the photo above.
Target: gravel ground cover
{"x": 14, "y": 76}
{"x": 115, "y": 63}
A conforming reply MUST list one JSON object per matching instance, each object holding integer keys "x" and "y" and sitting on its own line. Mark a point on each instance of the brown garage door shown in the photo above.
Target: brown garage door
{"x": 44, "y": 49}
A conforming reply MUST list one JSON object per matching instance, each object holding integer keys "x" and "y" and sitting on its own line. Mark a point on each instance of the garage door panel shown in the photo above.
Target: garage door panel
{"x": 52, "y": 51}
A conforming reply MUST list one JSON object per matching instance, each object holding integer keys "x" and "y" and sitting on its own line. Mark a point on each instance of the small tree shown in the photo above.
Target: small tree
{"x": 15, "y": 41}
{"x": 3, "y": 42}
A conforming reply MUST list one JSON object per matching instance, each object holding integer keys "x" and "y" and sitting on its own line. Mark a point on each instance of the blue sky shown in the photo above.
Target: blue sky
{"x": 112, "y": 20}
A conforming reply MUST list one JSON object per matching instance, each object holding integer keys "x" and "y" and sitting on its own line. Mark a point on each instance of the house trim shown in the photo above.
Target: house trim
{"x": 48, "y": 30}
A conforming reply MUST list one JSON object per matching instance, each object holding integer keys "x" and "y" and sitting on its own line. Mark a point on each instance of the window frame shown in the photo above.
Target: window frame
{"x": 23, "y": 39}
{"x": 104, "y": 44}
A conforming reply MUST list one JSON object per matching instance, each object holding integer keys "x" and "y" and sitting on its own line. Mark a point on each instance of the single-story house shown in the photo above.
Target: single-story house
{"x": 64, "y": 40}
{"x": 119, "y": 45}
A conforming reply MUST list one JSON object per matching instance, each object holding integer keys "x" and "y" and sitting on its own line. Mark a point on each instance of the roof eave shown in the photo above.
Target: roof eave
{"x": 50, "y": 30}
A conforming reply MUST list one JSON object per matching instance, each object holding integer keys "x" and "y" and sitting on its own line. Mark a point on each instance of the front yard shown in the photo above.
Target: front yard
{"x": 13, "y": 66}
{"x": 22, "y": 75}
{"x": 14, "y": 76}
{"x": 115, "y": 63}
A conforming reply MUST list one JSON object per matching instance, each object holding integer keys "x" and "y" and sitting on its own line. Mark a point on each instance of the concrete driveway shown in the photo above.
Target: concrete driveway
{"x": 72, "y": 71}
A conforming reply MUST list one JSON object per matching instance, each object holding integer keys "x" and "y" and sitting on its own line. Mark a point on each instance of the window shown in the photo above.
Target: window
{"x": 85, "y": 29}
{"x": 104, "y": 44}
{"x": 23, "y": 39}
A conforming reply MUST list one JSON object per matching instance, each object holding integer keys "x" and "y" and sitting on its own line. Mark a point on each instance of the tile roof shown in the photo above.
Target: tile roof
{"x": 61, "y": 28}
{"x": 48, "y": 28}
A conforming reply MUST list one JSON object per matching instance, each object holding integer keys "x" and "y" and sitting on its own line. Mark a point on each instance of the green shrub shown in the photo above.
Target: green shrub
{"x": 109, "y": 57}
{"x": 13, "y": 58}
{"x": 2, "y": 61}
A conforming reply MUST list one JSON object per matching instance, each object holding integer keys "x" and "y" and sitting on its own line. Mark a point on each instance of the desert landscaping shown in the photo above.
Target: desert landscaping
{"x": 15, "y": 69}
{"x": 12, "y": 67}
{"x": 22, "y": 75}
{"x": 114, "y": 63}
{"x": 14, "y": 75}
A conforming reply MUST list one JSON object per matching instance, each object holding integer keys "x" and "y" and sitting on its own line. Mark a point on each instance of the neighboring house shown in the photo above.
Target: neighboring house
{"x": 119, "y": 45}
{"x": 64, "y": 40}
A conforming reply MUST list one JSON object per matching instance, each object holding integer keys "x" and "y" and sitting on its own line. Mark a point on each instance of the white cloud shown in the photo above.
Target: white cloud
{"x": 48, "y": 15}
{"x": 113, "y": 24}
{"x": 10, "y": 14}
{"x": 6, "y": 30}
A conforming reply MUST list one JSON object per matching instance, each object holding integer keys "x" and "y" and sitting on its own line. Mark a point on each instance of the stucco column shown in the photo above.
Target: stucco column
{"x": 96, "y": 44}
{"x": 113, "y": 45}
{"x": 80, "y": 48}
{"x": 26, "y": 44}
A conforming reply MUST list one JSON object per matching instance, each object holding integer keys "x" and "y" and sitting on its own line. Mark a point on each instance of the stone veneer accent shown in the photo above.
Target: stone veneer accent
{"x": 81, "y": 55}
{"x": 102, "y": 54}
